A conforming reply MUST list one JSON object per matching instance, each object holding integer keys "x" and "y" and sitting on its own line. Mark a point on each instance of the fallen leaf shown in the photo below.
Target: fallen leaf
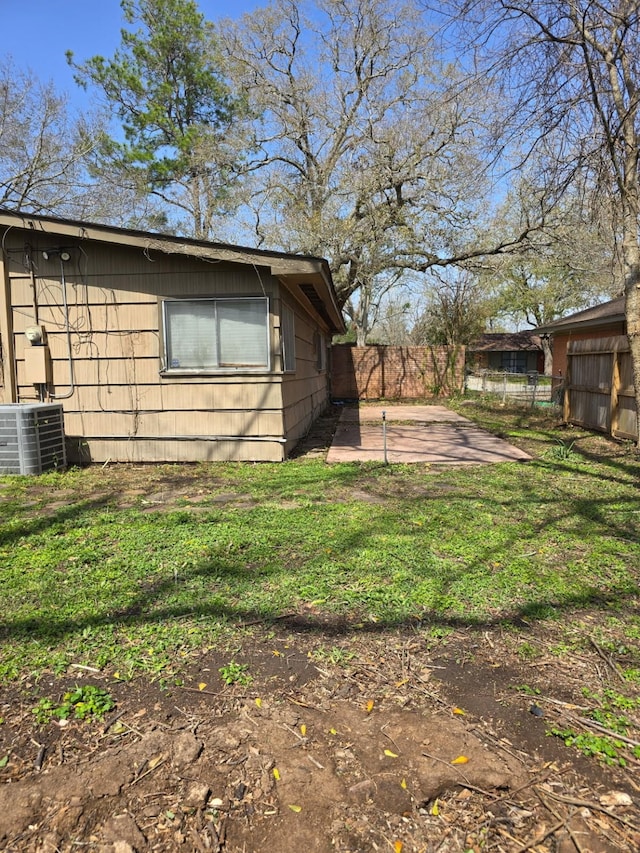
{"x": 333, "y": 732}
{"x": 434, "y": 809}
{"x": 397, "y": 846}
{"x": 402, "y": 682}
{"x": 369, "y": 706}
{"x": 303, "y": 730}
{"x": 390, "y": 754}
{"x": 4, "y": 761}
{"x": 459, "y": 711}
{"x": 461, "y": 759}
{"x": 403, "y": 784}
{"x": 616, "y": 798}
{"x": 277, "y": 654}
{"x": 155, "y": 761}
{"x": 202, "y": 685}
{"x": 117, "y": 728}
{"x": 259, "y": 703}
{"x": 276, "y": 774}
{"x": 296, "y": 809}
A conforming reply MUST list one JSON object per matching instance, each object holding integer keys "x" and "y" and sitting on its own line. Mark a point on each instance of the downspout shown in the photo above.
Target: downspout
{"x": 63, "y": 284}
{"x": 7, "y": 347}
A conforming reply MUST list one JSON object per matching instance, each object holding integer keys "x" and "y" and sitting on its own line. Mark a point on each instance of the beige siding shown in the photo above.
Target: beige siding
{"x": 115, "y": 342}
{"x": 106, "y": 346}
{"x": 181, "y": 451}
{"x": 305, "y": 393}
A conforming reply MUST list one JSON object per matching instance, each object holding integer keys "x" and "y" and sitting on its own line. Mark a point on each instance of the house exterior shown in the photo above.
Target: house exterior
{"x": 512, "y": 352}
{"x": 162, "y": 348}
{"x": 601, "y": 321}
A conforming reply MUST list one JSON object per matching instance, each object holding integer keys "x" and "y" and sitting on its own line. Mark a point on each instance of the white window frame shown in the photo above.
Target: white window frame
{"x": 218, "y": 320}
{"x": 288, "y": 338}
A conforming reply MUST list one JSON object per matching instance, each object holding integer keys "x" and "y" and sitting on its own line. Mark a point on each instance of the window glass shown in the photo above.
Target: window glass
{"x": 242, "y": 333}
{"x": 209, "y": 334}
{"x": 190, "y": 334}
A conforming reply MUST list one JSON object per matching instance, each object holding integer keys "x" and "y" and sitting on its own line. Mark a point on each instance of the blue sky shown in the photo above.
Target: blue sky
{"x": 37, "y": 33}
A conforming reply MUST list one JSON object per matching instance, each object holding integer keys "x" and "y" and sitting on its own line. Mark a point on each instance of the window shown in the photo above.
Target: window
{"x": 288, "y": 337}
{"x": 320, "y": 345}
{"x": 216, "y": 334}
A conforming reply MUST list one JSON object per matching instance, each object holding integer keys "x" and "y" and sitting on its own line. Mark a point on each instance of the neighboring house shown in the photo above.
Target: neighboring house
{"x": 162, "y": 348}
{"x": 602, "y": 321}
{"x": 513, "y": 352}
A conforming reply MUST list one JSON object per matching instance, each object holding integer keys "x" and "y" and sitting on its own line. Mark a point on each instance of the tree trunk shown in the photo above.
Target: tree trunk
{"x": 548, "y": 355}
{"x": 632, "y": 314}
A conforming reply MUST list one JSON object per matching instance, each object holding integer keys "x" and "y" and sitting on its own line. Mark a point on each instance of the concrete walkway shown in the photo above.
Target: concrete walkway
{"x": 432, "y": 434}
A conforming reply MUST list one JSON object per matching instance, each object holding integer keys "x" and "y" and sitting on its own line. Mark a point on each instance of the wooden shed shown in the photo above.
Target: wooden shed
{"x": 601, "y": 321}
{"x": 162, "y": 348}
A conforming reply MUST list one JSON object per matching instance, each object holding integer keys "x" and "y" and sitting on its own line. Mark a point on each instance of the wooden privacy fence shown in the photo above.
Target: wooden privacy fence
{"x": 395, "y": 373}
{"x": 599, "y": 386}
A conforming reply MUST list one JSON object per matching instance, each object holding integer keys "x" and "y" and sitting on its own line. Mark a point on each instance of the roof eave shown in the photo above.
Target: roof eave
{"x": 288, "y": 267}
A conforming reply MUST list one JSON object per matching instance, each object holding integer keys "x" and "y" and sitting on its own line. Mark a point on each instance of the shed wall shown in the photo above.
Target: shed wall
{"x": 599, "y": 385}
{"x": 561, "y": 341}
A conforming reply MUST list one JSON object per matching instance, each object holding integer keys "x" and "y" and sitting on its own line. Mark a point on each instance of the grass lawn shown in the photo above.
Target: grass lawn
{"x": 134, "y": 568}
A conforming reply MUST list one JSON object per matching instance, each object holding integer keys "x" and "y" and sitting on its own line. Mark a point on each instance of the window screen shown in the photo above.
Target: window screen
{"x": 288, "y": 333}
{"x": 210, "y": 334}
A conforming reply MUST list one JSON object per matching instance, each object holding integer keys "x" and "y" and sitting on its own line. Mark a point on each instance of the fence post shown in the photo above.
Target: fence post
{"x": 614, "y": 414}
{"x": 384, "y": 436}
{"x": 566, "y": 403}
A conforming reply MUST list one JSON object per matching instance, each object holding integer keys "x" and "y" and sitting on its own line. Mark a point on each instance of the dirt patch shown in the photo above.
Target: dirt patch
{"x": 376, "y": 742}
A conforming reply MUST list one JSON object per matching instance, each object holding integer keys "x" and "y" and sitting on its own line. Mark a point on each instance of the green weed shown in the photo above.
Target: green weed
{"x": 235, "y": 673}
{"x": 79, "y": 704}
{"x": 603, "y": 747}
{"x": 336, "y": 655}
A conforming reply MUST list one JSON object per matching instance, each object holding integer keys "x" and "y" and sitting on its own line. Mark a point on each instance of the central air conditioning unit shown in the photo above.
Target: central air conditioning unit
{"x": 31, "y": 438}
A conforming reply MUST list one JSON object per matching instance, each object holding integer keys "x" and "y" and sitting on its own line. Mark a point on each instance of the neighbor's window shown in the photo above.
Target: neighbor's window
{"x": 216, "y": 334}
{"x": 288, "y": 334}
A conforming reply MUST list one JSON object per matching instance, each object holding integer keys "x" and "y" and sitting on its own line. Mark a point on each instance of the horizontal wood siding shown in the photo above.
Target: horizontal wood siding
{"x": 115, "y": 339}
{"x": 305, "y": 393}
{"x": 146, "y": 450}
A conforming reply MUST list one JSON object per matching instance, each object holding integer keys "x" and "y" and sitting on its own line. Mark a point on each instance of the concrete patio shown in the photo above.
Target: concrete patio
{"x": 432, "y": 434}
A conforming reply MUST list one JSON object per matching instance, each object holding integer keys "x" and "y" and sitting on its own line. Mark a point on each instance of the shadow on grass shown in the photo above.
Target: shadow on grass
{"x": 537, "y": 512}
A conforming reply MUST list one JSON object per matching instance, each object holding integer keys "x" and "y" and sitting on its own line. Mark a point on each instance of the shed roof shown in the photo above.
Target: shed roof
{"x": 311, "y": 275}
{"x": 599, "y": 315}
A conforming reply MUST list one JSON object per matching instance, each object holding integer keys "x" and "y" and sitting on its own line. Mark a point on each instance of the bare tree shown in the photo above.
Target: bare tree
{"x": 570, "y": 70}
{"x": 456, "y": 310}
{"x": 357, "y": 135}
{"x": 41, "y": 148}
{"x": 566, "y": 265}
{"x": 45, "y": 154}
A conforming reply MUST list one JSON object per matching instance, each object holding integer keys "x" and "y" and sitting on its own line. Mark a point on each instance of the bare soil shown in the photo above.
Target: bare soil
{"x": 346, "y": 741}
